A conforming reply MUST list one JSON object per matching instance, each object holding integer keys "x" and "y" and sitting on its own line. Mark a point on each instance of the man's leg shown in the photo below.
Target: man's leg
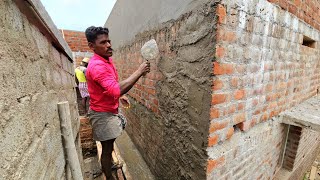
{"x": 83, "y": 102}
{"x": 106, "y": 156}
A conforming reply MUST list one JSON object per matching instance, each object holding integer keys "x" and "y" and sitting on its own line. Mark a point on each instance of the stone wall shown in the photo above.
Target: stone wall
{"x": 35, "y": 75}
{"x": 262, "y": 67}
{"x": 168, "y": 120}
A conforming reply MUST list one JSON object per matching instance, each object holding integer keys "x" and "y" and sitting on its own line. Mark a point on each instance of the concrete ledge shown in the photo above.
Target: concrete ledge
{"x": 38, "y": 16}
{"x": 305, "y": 115}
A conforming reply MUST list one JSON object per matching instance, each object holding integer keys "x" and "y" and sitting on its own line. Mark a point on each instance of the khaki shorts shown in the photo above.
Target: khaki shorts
{"x": 105, "y": 125}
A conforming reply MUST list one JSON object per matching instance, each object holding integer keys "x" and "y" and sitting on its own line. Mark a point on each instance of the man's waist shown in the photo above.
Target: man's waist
{"x": 104, "y": 108}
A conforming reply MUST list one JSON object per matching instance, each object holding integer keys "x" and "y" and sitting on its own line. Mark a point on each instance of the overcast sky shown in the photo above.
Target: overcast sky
{"x": 78, "y": 14}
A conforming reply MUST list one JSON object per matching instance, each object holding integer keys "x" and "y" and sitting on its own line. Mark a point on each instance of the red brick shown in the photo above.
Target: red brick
{"x": 218, "y": 98}
{"x": 213, "y": 140}
{"x": 217, "y": 126}
{"x": 230, "y": 36}
{"x": 214, "y": 113}
{"x": 220, "y": 52}
{"x": 230, "y": 132}
{"x": 217, "y": 85}
{"x": 239, "y": 94}
{"x": 220, "y": 69}
{"x": 213, "y": 163}
{"x": 239, "y": 118}
{"x": 232, "y": 109}
{"x": 221, "y": 12}
{"x": 264, "y": 117}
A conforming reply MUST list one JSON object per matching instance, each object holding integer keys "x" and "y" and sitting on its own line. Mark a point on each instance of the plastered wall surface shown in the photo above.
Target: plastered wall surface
{"x": 34, "y": 77}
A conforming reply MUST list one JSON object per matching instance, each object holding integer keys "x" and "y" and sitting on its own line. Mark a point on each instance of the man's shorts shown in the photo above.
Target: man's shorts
{"x": 105, "y": 125}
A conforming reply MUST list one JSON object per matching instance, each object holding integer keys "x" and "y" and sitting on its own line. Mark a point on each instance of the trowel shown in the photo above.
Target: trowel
{"x": 150, "y": 50}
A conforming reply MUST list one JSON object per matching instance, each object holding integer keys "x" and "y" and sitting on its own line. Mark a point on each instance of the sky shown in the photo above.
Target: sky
{"x": 78, "y": 14}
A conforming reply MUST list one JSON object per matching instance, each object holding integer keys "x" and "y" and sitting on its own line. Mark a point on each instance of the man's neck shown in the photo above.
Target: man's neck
{"x": 105, "y": 58}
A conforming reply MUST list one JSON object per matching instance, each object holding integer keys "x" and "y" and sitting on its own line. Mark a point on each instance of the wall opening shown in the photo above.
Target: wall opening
{"x": 308, "y": 42}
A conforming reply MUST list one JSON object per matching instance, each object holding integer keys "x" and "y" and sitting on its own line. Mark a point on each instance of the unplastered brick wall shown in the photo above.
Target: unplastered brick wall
{"x": 306, "y": 10}
{"x": 78, "y": 44}
{"x": 300, "y": 150}
{"x": 35, "y": 76}
{"x": 168, "y": 119}
{"x": 261, "y": 68}
{"x": 308, "y": 144}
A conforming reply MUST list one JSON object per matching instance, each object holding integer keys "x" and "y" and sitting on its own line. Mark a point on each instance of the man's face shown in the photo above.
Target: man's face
{"x": 102, "y": 46}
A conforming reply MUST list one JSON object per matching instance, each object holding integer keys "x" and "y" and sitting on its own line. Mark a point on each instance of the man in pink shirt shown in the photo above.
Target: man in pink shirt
{"x": 105, "y": 92}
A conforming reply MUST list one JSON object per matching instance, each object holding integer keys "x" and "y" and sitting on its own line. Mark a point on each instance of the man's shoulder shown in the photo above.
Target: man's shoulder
{"x": 96, "y": 65}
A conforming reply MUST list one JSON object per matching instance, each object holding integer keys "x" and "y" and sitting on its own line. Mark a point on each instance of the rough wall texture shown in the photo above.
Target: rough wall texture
{"x": 34, "y": 77}
{"x": 261, "y": 68}
{"x": 169, "y": 117}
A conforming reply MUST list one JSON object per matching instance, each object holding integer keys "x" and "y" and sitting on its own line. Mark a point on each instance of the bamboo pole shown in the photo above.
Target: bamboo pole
{"x": 67, "y": 136}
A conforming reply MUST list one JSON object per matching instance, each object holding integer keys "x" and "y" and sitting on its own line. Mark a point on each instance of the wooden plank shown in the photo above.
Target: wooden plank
{"x": 313, "y": 173}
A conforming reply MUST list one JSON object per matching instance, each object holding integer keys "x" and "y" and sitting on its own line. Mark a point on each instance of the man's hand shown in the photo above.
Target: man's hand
{"x": 144, "y": 68}
{"x": 127, "y": 84}
{"x": 125, "y": 102}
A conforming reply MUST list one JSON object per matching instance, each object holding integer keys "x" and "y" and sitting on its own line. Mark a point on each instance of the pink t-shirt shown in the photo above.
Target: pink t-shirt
{"x": 103, "y": 85}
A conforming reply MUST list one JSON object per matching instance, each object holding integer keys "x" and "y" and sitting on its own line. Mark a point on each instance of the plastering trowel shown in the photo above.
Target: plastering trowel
{"x": 150, "y": 50}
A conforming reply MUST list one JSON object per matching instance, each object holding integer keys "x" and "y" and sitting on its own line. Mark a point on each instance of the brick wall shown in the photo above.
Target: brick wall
{"x": 35, "y": 76}
{"x": 261, "y": 68}
{"x": 168, "y": 120}
{"x": 88, "y": 145}
{"x": 293, "y": 142}
{"x": 306, "y": 10}
{"x": 308, "y": 144}
{"x": 76, "y": 40}
{"x": 78, "y": 44}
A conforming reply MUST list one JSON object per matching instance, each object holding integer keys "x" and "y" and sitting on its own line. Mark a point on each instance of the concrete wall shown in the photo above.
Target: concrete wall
{"x": 261, "y": 68}
{"x": 142, "y": 15}
{"x": 169, "y": 117}
{"x": 34, "y": 77}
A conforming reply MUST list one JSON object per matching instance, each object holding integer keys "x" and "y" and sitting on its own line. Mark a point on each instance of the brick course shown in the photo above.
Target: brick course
{"x": 261, "y": 66}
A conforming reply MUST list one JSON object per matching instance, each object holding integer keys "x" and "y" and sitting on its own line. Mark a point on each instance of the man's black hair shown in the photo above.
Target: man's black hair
{"x": 92, "y": 33}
